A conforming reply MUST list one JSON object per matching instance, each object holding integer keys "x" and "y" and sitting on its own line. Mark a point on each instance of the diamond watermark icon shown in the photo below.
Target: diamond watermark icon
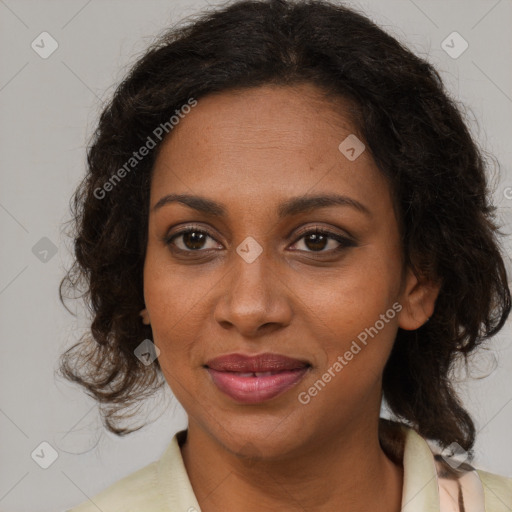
{"x": 351, "y": 147}
{"x": 147, "y": 352}
{"x": 44, "y": 45}
{"x": 44, "y": 455}
{"x": 454, "y": 45}
{"x": 454, "y": 455}
{"x": 44, "y": 250}
{"x": 249, "y": 249}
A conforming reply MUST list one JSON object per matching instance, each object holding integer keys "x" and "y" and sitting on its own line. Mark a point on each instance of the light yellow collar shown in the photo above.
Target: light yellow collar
{"x": 420, "y": 489}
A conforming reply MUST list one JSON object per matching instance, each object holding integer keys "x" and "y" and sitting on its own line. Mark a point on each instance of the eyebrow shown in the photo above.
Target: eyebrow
{"x": 293, "y": 206}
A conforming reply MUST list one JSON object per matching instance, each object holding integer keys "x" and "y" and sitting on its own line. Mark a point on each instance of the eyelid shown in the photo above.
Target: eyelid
{"x": 323, "y": 229}
{"x": 179, "y": 229}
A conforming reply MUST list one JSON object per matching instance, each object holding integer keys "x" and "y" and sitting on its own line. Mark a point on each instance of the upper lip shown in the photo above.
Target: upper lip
{"x": 258, "y": 363}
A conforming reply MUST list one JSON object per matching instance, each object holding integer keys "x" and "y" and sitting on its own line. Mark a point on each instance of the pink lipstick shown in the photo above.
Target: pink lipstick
{"x": 255, "y": 379}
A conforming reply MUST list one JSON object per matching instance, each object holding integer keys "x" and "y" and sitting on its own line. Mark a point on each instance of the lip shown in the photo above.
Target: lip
{"x": 265, "y": 362}
{"x": 233, "y": 374}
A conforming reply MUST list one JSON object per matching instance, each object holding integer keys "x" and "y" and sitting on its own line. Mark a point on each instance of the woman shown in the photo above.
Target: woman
{"x": 286, "y": 202}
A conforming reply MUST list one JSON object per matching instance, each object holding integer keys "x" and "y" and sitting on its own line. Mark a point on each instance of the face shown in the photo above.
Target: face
{"x": 268, "y": 269}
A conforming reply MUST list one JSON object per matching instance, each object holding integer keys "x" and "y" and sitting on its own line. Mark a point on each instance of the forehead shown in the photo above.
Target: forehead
{"x": 263, "y": 143}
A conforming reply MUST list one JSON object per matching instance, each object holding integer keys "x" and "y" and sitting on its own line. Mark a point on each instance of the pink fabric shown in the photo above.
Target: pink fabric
{"x": 466, "y": 490}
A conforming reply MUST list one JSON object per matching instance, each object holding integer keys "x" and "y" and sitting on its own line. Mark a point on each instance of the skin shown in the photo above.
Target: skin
{"x": 251, "y": 150}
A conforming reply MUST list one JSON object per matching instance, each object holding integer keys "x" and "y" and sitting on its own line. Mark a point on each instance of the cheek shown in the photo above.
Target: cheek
{"x": 354, "y": 308}
{"x": 171, "y": 311}
{"x": 171, "y": 292}
{"x": 353, "y": 296}
{"x": 355, "y": 358}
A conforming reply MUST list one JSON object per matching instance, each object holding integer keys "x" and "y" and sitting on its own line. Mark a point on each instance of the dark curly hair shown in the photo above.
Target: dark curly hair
{"x": 416, "y": 135}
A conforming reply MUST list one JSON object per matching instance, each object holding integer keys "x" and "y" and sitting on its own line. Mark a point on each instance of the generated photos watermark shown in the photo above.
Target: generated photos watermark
{"x": 159, "y": 133}
{"x": 304, "y": 397}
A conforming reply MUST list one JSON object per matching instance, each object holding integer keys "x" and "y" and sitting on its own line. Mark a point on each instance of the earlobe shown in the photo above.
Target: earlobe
{"x": 418, "y": 301}
{"x": 145, "y": 316}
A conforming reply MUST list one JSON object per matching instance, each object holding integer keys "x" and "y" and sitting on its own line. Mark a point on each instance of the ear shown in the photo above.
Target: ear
{"x": 145, "y": 316}
{"x": 418, "y": 301}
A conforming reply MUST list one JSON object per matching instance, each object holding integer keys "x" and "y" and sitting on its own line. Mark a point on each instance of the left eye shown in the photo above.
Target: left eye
{"x": 317, "y": 240}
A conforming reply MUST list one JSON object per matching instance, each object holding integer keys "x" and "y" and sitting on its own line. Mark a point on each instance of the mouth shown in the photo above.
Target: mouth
{"x": 255, "y": 379}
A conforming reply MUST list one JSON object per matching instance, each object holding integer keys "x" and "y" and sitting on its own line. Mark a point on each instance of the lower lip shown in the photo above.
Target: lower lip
{"x": 253, "y": 390}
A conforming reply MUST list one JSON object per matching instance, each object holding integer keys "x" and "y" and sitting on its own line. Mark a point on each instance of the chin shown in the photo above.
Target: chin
{"x": 266, "y": 436}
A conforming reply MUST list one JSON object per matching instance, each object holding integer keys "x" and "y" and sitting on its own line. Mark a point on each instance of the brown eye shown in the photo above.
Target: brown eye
{"x": 317, "y": 240}
{"x": 192, "y": 240}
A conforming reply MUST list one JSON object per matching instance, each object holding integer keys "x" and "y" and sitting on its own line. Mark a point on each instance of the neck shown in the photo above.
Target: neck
{"x": 352, "y": 473}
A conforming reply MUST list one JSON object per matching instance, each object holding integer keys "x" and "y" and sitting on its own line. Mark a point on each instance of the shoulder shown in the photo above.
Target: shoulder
{"x": 137, "y": 491}
{"x": 161, "y": 486}
{"x": 497, "y": 491}
{"x": 457, "y": 484}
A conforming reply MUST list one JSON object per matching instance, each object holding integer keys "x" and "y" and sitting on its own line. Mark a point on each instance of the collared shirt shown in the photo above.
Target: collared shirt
{"x": 164, "y": 486}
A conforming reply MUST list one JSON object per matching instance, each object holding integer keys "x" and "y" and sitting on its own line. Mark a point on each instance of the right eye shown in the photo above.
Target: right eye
{"x": 190, "y": 239}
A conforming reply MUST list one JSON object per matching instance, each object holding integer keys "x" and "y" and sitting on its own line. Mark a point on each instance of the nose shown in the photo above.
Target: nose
{"x": 255, "y": 299}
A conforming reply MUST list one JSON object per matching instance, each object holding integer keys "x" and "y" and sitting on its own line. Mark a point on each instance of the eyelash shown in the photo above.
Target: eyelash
{"x": 343, "y": 241}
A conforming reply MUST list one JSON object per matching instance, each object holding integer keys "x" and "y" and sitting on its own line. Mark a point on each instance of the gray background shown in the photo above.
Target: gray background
{"x": 48, "y": 110}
